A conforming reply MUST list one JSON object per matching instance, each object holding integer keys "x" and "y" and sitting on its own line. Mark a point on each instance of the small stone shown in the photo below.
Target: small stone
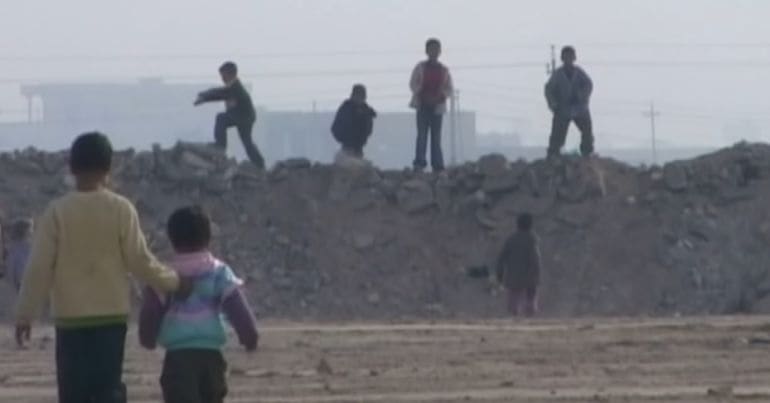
{"x": 725, "y": 391}
{"x": 501, "y": 183}
{"x": 415, "y": 196}
{"x": 675, "y": 177}
{"x": 196, "y": 161}
{"x": 324, "y": 368}
{"x": 283, "y": 283}
{"x": 493, "y": 164}
{"x": 297, "y": 163}
{"x": 363, "y": 240}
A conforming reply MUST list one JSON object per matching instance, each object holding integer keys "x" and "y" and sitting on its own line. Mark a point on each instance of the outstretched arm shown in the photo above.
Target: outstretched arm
{"x": 213, "y": 95}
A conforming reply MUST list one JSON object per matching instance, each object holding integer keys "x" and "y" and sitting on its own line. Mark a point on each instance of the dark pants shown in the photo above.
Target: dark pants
{"x": 522, "y": 301}
{"x": 194, "y": 376}
{"x": 225, "y": 121}
{"x": 429, "y": 121}
{"x": 559, "y": 129}
{"x": 89, "y": 364}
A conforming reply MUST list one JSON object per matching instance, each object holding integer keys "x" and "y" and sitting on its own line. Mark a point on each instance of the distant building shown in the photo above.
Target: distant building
{"x": 132, "y": 113}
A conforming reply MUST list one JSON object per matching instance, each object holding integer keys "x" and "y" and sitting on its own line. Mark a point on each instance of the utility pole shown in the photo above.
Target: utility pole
{"x": 453, "y": 128}
{"x": 29, "y": 109}
{"x": 460, "y": 134}
{"x": 550, "y": 68}
{"x": 652, "y": 114}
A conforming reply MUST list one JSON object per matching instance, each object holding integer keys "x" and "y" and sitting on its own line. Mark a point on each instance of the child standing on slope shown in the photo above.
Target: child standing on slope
{"x": 17, "y": 250}
{"x": 518, "y": 268}
{"x": 193, "y": 331}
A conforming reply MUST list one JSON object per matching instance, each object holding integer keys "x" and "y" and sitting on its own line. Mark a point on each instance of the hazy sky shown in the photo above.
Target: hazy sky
{"x": 705, "y": 63}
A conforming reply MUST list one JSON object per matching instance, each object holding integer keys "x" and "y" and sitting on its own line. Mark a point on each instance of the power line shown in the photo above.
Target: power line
{"x": 251, "y": 55}
{"x": 316, "y": 73}
{"x": 680, "y": 63}
{"x": 729, "y": 45}
{"x": 369, "y": 52}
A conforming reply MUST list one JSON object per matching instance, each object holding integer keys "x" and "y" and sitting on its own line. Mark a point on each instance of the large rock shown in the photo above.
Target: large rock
{"x": 493, "y": 164}
{"x": 345, "y": 160}
{"x": 675, "y": 177}
{"x": 297, "y": 163}
{"x": 194, "y": 161}
{"x": 363, "y": 240}
{"x": 415, "y": 195}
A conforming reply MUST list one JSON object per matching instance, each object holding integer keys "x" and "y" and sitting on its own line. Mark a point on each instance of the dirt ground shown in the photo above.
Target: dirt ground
{"x": 679, "y": 360}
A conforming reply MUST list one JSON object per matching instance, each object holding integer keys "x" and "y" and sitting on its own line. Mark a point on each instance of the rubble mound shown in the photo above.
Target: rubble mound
{"x": 329, "y": 242}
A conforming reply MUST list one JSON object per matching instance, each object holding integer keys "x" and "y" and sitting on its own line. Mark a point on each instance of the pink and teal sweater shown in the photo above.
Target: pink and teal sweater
{"x": 198, "y": 321}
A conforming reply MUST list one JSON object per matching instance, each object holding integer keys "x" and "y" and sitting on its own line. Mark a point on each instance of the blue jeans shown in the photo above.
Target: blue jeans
{"x": 429, "y": 121}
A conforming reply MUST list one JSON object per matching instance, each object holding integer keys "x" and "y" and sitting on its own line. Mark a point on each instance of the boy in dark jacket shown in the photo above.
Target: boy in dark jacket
{"x": 354, "y": 122}
{"x": 239, "y": 112}
{"x": 568, "y": 93}
{"x": 518, "y": 268}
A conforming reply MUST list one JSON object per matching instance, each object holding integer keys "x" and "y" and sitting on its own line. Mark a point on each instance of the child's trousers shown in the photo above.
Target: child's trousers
{"x": 89, "y": 364}
{"x": 522, "y": 301}
{"x": 194, "y": 376}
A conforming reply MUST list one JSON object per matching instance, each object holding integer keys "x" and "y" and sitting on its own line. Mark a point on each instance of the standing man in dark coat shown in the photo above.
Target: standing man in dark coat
{"x": 354, "y": 122}
{"x": 431, "y": 86}
{"x": 568, "y": 94}
{"x": 518, "y": 268}
{"x": 239, "y": 112}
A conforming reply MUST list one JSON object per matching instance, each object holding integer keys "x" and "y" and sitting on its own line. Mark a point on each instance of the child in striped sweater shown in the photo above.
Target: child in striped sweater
{"x": 193, "y": 331}
{"x": 17, "y": 251}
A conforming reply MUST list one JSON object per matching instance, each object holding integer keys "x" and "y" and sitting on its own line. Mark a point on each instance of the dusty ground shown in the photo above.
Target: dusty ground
{"x": 685, "y": 360}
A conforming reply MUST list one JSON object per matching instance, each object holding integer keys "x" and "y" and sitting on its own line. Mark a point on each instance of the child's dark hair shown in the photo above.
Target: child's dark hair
{"x": 189, "y": 229}
{"x": 568, "y": 50}
{"x": 358, "y": 89}
{"x": 228, "y": 68}
{"x": 91, "y": 153}
{"x": 432, "y": 42}
{"x": 524, "y": 222}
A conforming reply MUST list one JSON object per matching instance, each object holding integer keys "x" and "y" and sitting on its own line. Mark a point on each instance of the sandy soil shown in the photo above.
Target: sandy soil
{"x": 682, "y": 360}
